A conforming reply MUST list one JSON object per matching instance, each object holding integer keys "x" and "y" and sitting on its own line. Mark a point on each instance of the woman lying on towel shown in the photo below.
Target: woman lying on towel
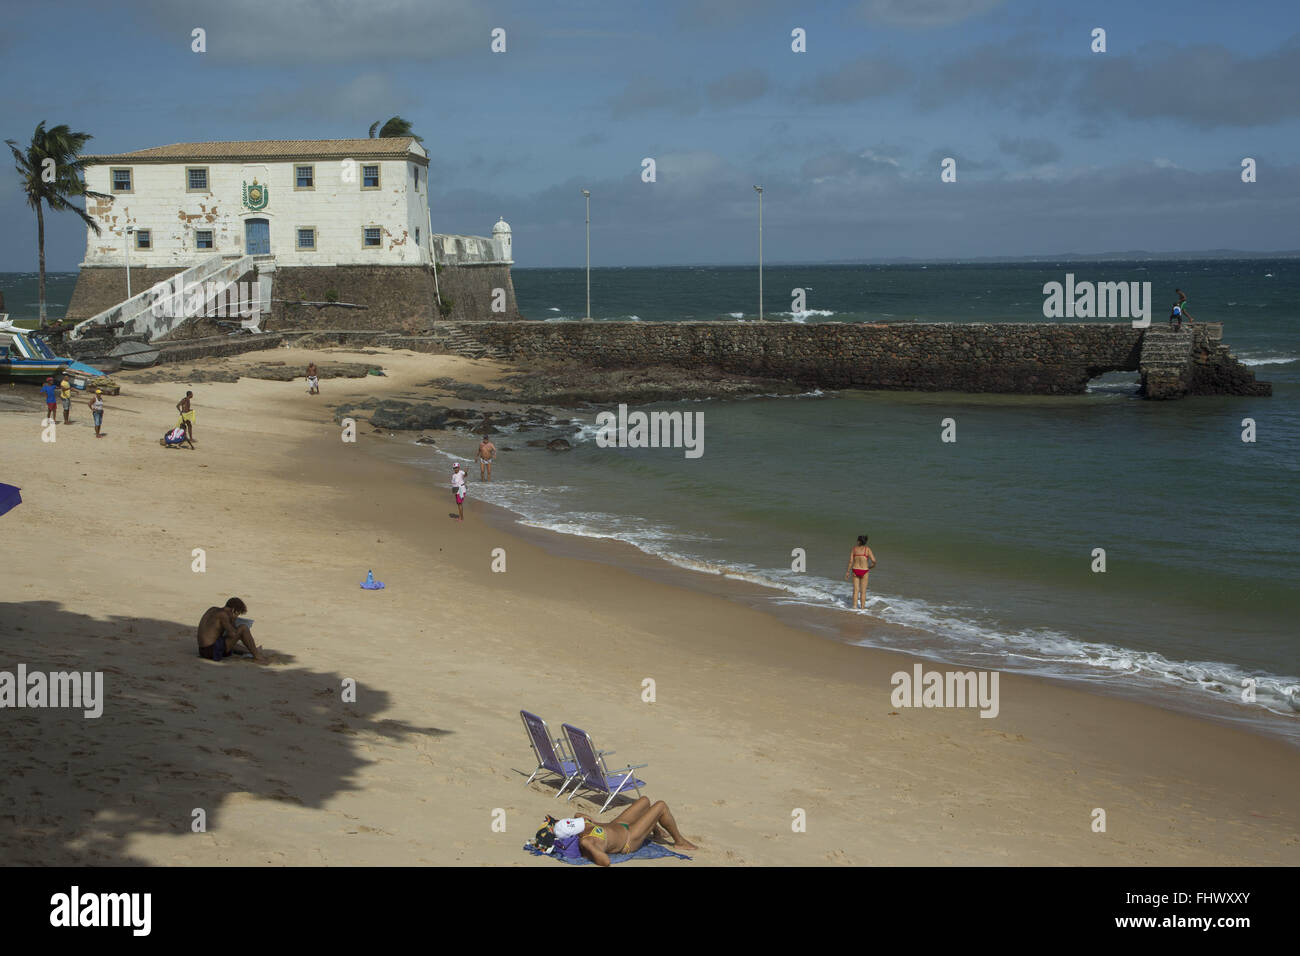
{"x": 583, "y": 836}
{"x": 177, "y": 436}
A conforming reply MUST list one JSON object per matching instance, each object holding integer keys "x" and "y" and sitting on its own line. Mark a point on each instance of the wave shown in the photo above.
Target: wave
{"x": 736, "y": 315}
{"x": 1282, "y": 360}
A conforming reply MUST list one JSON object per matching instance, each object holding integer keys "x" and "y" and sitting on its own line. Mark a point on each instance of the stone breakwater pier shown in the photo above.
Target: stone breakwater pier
{"x": 1013, "y": 358}
{"x": 1030, "y": 358}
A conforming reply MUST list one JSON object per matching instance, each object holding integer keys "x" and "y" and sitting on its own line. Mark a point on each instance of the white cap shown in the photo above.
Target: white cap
{"x": 569, "y": 826}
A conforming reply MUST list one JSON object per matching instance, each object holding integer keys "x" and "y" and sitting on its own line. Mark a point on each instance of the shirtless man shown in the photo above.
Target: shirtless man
{"x": 625, "y": 833}
{"x": 486, "y": 453}
{"x": 313, "y": 379}
{"x": 187, "y": 414}
{"x": 220, "y": 632}
{"x": 861, "y": 560}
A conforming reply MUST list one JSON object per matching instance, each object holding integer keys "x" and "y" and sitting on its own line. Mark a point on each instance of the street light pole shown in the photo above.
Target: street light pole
{"x": 759, "y": 190}
{"x": 130, "y": 230}
{"x": 587, "y": 194}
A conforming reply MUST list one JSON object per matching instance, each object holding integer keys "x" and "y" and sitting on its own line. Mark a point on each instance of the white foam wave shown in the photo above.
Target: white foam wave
{"x": 1281, "y": 360}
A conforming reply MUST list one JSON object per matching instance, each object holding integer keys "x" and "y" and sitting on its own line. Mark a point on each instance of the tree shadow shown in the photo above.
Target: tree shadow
{"x": 176, "y": 733}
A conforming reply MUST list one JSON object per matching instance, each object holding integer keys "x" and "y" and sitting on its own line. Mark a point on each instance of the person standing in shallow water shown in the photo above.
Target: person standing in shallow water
{"x": 861, "y": 560}
{"x": 458, "y": 489}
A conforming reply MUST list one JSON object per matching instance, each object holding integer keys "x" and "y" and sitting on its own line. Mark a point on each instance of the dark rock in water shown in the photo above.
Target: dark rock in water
{"x": 506, "y": 448}
{"x": 538, "y": 443}
{"x": 408, "y": 416}
{"x": 483, "y": 428}
{"x": 425, "y": 440}
{"x": 557, "y": 444}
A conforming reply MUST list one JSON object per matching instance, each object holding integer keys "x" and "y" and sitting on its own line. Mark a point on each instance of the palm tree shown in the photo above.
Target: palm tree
{"x": 396, "y": 126}
{"x": 51, "y": 184}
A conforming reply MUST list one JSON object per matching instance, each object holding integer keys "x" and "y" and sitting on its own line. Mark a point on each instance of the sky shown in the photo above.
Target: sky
{"x": 1057, "y": 148}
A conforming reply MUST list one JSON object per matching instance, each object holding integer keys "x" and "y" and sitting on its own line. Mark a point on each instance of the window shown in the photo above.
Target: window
{"x": 143, "y": 240}
{"x": 371, "y": 237}
{"x": 307, "y": 238}
{"x": 196, "y": 179}
{"x": 304, "y": 177}
{"x": 121, "y": 180}
{"x": 416, "y": 171}
{"x": 370, "y": 177}
{"x": 417, "y": 235}
{"x": 203, "y": 239}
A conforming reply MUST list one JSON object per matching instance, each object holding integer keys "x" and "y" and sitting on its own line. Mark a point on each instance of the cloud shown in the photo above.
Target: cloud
{"x": 857, "y": 80}
{"x": 1206, "y": 86}
{"x": 742, "y": 86}
{"x": 648, "y": 93}
{"x": 1031, "y": 151}
{"x": 325, "y": 30}
{"x": 925, "y": 14}
{"x": 839, "y": 165}
{"x": 1011, "y": 73}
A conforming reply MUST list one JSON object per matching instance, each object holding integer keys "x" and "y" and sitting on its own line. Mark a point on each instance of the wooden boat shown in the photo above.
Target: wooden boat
{"x": 24, "y": 357}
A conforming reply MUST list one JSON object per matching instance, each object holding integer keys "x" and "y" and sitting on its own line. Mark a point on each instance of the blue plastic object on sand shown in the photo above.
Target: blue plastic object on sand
{"x": 370, "y": 584}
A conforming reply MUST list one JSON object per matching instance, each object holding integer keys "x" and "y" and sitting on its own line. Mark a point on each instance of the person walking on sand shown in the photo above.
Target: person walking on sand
{"x": 187, "y": 414}
{"x": 313, "y": 379}
{"x": 97, "y": 411}
{"x": 221, "y": 631}
{"x": 458, "y": 489}
{"x": 861, "y": 560}
{"x": 65, "y": 399}
{"x": 486, "y": 453}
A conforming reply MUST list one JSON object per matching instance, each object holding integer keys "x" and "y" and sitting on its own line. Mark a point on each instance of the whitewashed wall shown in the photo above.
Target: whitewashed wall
{"x": 160, "y": 203}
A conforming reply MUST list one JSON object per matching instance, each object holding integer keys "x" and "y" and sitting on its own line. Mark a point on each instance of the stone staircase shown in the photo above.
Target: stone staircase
{"x": 1166, "y": 361}
{"x": 459, "y": 342}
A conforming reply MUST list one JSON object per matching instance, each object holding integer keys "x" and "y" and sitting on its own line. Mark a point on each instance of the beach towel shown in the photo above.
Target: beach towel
{"x": 648, "y": 851}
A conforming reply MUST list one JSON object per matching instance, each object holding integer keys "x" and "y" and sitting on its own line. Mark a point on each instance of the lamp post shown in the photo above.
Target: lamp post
{"x": 587, "y": 194}
{"x": 130, "y": 231}
{"x": 759, "y": 190}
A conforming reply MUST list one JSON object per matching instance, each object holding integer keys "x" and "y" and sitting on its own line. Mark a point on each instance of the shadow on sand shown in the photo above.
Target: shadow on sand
{"x": 176, "y": 733}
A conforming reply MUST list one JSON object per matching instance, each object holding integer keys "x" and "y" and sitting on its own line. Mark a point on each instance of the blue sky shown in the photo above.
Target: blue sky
{"x": 1058, "y": 149}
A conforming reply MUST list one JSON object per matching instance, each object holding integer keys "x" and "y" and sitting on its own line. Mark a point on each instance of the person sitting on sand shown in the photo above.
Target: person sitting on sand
{"x": 313, "y": 379}
{"x": 861, "y": 561}
{"x": 221, "y": 632}
{"x": 486, "y": 453}
{"x": 458, "y": 489}
{"x": 626, "y": 833}
{"x": 175, "y": 437}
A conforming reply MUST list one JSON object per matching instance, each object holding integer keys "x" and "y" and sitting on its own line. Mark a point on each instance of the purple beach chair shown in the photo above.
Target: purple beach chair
{"x": 549, "y": 758}
{"x": 593, "y": 774}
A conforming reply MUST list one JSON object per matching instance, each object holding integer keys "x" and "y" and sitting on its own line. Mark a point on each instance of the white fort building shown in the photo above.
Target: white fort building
{"x": 344, "y": 220}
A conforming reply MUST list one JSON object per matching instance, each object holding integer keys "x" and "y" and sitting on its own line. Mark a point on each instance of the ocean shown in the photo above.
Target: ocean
{"x": 986, "y": 544}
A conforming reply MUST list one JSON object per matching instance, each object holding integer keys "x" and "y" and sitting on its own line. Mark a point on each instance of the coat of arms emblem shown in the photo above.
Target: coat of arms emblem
{"x": 255, "y": 196}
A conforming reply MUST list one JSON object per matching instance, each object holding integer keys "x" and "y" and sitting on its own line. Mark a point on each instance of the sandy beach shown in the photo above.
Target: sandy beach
{"x": 752, "y": 720}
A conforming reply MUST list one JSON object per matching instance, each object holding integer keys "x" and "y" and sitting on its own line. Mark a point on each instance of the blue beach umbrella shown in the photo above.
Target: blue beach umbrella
{"x": 9, "y": 498}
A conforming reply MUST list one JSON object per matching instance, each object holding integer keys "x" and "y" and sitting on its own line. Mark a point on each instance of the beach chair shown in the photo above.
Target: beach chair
{"x": 549, "y": 758}
{"x": 594, "y": 775}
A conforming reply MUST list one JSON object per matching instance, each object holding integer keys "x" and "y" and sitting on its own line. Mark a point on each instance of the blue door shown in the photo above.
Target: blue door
{"x": 257, "y": 237}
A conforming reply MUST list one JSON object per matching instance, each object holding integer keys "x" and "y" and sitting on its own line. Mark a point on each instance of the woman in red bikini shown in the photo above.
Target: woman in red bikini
{"x": 861, "y": 560}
